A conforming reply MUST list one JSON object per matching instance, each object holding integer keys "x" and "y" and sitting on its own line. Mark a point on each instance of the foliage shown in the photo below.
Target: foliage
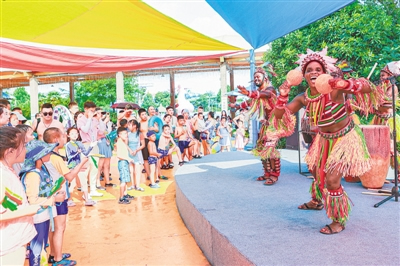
{"x": 104, "y": 93}
{"x": 54, "y": 97}
{"x": 162, "y": 98}
{"x": 22, "y": 100}
{"x": 362, "y": 33}
{"x": 148, "y": 101}
{"x": 207, "y": 100}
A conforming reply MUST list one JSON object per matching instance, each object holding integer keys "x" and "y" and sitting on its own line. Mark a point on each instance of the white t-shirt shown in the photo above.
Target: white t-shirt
{"x": 16, "y": 232}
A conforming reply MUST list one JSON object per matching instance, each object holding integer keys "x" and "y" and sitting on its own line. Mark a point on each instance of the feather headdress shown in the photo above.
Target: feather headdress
{"x": 327, "y": 62}
{"x": 393, "y": 68}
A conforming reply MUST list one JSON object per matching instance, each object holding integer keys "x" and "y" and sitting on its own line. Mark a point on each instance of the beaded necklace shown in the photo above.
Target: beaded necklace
{"x": 314, "y": 107}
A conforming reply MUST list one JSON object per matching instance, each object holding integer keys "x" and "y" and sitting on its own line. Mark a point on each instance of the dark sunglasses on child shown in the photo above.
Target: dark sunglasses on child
{"x": 47, "y": 113}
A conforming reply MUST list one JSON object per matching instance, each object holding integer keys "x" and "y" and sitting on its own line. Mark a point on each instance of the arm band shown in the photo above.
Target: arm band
{"x": 282, "y": 101}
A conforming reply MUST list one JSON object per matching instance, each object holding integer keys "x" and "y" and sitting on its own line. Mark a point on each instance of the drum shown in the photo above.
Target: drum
{"x": 378, "y": 144}
{"x": 306, "y": 130}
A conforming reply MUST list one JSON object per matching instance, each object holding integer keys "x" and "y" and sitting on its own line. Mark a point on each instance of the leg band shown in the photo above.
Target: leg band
{"x": 337, "y": 205}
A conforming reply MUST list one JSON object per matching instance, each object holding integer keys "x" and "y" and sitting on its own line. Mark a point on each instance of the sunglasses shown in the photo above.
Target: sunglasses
{"x": 47, "y": 113}
{"x": 103, "y": 113}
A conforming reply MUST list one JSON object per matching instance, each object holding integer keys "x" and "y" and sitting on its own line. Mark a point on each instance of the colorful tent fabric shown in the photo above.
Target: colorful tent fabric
{"x": 156, "y": 33}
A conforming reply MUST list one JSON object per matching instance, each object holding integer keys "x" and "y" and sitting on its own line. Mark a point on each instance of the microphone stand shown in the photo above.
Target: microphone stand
{"x": 395, "y": 189}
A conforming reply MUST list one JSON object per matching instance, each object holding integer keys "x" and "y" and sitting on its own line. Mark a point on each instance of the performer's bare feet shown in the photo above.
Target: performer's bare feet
{"x": 332, "y": 228}
{"x": 312, "y": 205}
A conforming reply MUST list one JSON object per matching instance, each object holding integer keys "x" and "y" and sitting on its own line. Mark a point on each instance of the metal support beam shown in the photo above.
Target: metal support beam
{"x": 34, "y": 92}
{"x": 119, "y": 76}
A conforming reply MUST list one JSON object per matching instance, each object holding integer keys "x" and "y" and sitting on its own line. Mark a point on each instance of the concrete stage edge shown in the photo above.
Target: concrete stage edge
{"x": 236, "y": 220}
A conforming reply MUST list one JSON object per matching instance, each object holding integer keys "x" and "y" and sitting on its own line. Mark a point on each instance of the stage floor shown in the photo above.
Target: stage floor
{"x": 236, "y": 220}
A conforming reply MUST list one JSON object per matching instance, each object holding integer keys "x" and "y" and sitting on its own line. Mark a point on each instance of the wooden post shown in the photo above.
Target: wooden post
{"x": 119, "y": 76}
{"x": 34, "y": 92}
{"x": 172, "y": 89}
{"x": 71, "y": 91}
{"x": 224, "y": 98}
{"x": 232, "y": 85}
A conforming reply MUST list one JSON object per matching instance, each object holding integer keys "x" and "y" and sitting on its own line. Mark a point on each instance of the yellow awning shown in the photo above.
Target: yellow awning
{"x": 112, "y": 24}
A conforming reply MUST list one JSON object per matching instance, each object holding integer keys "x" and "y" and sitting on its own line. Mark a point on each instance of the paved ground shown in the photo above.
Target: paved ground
{"x": 149, "y": 231}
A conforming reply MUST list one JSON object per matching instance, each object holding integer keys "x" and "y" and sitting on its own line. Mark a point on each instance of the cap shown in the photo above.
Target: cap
{"x": 151, "y": 132}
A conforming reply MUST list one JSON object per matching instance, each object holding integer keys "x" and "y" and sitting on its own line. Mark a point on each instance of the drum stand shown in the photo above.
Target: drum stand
{"x": 395, "y": 189}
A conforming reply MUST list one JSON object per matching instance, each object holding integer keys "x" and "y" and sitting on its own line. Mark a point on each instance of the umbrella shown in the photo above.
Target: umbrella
{"x": 121, "y": 105}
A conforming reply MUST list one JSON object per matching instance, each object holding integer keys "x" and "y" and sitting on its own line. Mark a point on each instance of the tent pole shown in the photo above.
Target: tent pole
{"x": 254, "y": 123}
{"x": 119, "y": 76}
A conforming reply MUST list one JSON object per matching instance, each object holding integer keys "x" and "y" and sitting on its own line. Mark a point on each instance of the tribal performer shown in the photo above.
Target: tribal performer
{"x": 261, "y": 104}
{"x": 339, "y": 147}
{"x": 384, "y": 113}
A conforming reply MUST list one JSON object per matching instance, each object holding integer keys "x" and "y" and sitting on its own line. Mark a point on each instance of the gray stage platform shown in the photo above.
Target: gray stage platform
{"x": 239, "y": 221}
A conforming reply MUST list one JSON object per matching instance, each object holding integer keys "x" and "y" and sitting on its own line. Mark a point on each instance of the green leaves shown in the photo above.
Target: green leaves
{"x": 362, "y": 33}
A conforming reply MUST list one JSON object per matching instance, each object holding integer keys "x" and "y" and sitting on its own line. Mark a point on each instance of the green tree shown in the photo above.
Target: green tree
{"x": 362, "y": 33}
{"x": 104, "y": 93}
{"x": 148, "y": 101}
{"x": 22, "y": 100}
{"x": 162, "y": 98}
{"x": 54, "y": 97}
{"x": 207, "y": 100}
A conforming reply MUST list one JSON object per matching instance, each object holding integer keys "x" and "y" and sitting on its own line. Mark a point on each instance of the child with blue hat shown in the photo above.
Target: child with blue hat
{"x": 39, "y": 190}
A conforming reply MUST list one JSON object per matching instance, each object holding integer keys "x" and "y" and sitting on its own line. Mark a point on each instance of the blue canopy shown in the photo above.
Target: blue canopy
{"x": 260, "y": 22}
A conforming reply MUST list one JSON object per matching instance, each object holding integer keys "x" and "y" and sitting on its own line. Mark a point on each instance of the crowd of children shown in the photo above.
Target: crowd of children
{"x": 41, "y": 165}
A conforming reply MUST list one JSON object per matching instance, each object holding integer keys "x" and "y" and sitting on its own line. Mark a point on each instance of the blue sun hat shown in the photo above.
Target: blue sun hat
{"x": 151, "y": 132}
{"x": 35, "y": 150}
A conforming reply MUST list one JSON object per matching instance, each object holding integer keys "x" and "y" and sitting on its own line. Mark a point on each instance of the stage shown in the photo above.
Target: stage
{"x": 236, "y": 220}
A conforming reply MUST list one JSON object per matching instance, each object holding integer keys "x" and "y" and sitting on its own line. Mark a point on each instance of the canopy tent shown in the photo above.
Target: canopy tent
{"x": 114, "y": 35}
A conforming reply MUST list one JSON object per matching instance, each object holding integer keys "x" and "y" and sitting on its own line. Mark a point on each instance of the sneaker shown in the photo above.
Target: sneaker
{"x": 90, "y": 202}
{"x": 154, "y": 185}
{"x": 130, "y": 188}
{"x": 101, "y": 188}
{"x": 109, "y": 185}
{"x": 139, "y": 189}
{"x": 163, "y": 177}
{"x": 70, "y": 203}
{"x": 64, "y": 262}
{"x": 95, "y": 194}
{"x": 129, "y": 197}
{"x": 124, "y": 201}
{"x": 64, "y": 256}
{"x": 79, "y": 189}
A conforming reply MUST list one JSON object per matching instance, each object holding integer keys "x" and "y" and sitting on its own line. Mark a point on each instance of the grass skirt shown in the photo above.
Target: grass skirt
{"x": 266, "y": 144}
{"x": 346, "y": 154}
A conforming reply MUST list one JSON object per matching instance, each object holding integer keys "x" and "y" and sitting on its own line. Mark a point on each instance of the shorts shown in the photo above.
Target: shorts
{"x": 62, "y": 207}
{"x": 183, "y": 144}
{"x": 145, "y": 151}
{"x": 124, "y": 174}
{"x": 197, "y": 135}
{"x": 152, "y": 160}
{"x": 163, "y": 152}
